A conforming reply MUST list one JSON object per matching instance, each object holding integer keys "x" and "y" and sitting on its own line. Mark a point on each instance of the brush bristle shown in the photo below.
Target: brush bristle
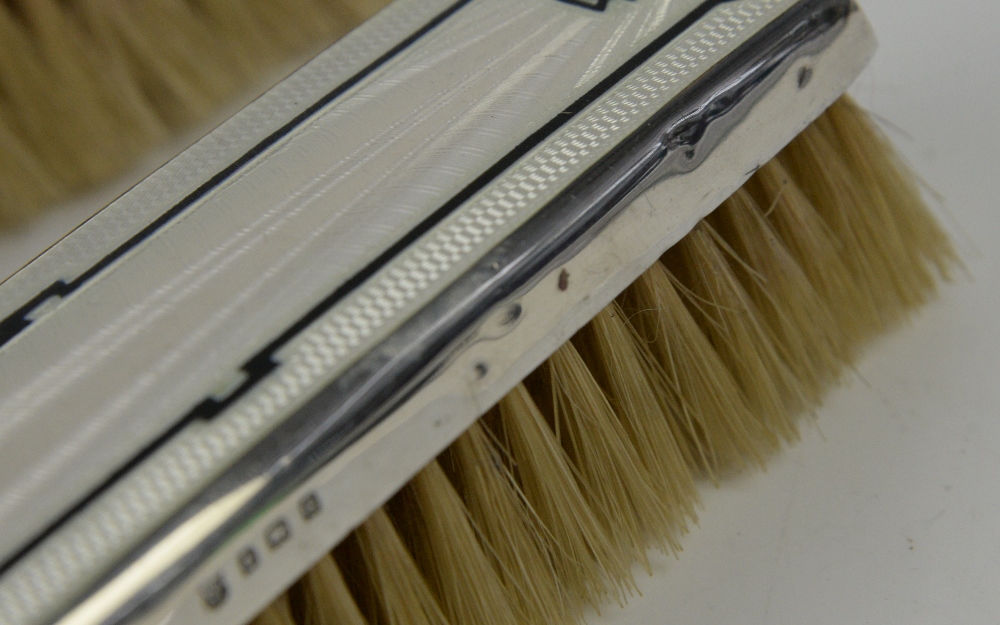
{"x": 803, "y": 329}
{"x": 586, "y": 559}
{"x": 703, "y": 366}
{"x": 615, "y": 483}
{"x": 435, "y": 524}
{"x": 704, "y": 402}
{"x": 87, "y": 87}
{"x": 522, "y": 549}
{"x": 322, "y": 597}
{"x": 625, "y": 370}
{"x": 734, "y": 327}
{"x": 278, "y": 613}
{"x": 389, "y": 587}
{"x": 818, "y": 252}
{"x": 888, "y": 183}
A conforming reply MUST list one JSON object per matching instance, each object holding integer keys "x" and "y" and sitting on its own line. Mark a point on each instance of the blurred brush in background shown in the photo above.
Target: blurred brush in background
{"x": 88, "y": 87}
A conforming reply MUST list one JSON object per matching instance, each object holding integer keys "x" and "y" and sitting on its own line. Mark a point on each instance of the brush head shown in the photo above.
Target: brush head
{"x": 259, "y": 344}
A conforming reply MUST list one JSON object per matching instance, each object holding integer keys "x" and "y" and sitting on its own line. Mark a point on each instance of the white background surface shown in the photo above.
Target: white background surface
{"x": 888, "y": 511}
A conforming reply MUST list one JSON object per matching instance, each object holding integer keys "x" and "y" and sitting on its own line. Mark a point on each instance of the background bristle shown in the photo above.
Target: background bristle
{"x": 87, "y": 87}
{"x": 701, "y": 367}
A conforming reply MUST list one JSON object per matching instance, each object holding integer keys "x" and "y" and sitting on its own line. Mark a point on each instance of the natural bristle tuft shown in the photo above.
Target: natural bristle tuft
{"x": 888, "y": 184}
{"x": 322, "y": 597}
{"x": 586, "y": 558}
{"x": 447, "y": 550}
{"x": 803, "y": 329}
{"x": 819, "y": 254}
{"x": 703, "y": 366}
{"x": 278, "y": 613}
{"x": 624, "y": 369}
{"x": 615, "y": 483}
{"x": 517, "y": 540}
{"x": 706, "y": 405}
{"x": 734, "y": 326}
{"x": 390, "y": 588}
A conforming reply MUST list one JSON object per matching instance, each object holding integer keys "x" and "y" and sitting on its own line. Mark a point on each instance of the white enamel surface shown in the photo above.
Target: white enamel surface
{"x": 122, "y": 358}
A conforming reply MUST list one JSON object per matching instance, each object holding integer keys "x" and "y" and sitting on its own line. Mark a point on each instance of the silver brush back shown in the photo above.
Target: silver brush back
{"x": 205, "y": 387}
